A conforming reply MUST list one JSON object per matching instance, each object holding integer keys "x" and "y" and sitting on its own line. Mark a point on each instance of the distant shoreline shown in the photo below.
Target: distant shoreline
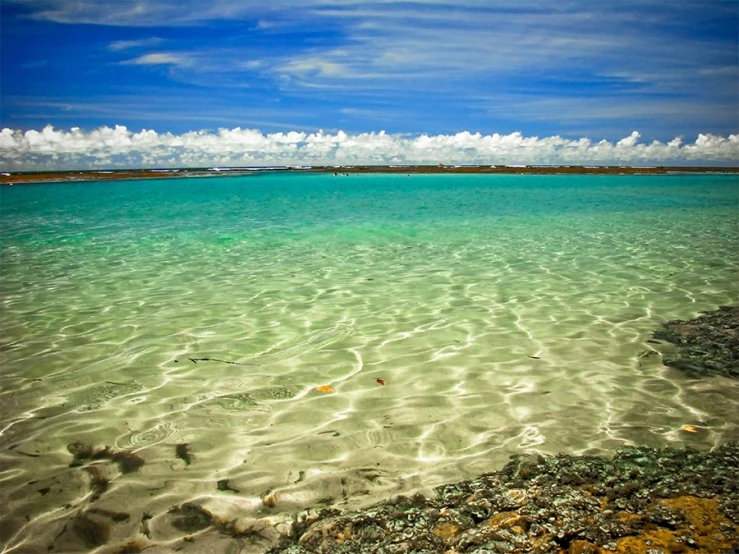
{"x": 129, "y": 174}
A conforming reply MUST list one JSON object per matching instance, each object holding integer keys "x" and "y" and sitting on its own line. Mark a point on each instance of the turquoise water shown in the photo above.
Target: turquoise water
{"x": 504, "y": 314}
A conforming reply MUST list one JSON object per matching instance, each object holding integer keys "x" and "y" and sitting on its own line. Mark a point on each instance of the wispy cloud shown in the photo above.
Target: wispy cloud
{"x": 161, "y": 58}
{"x": 439, "y": 65}
{"x": 118, "y": 45}
{"x": 314, "y": 66}
{"x": 119, "y": 147}
{"x": 445, "y": 44}
{"x": 143, "y": 108}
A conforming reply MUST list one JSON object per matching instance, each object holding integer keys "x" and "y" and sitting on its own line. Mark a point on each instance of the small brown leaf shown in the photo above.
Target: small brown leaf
{"x": 380, "y": 381}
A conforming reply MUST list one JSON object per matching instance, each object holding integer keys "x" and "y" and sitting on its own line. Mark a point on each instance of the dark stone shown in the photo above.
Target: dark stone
{"x": 535, "y": 504}
{"x": 705, "y": 346}
{"x": 92, "y": 532}
{"x": 224, "y": 485}
{"x": 190, "y": 518}
{"x": 182, "y": 451}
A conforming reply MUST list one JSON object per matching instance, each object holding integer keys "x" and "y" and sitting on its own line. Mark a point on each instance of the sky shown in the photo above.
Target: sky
{"x": 162, "y": 83}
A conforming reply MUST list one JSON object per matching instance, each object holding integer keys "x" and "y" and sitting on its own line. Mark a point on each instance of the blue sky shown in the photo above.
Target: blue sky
{"x": 540, "y": 68}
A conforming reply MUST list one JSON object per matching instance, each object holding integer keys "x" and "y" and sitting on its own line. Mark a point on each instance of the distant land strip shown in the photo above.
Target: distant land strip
{"x": 11, "y": 178}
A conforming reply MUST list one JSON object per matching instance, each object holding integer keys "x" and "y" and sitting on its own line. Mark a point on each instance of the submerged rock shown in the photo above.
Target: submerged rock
{"x": 190, "y": 517}
{"x": 92, "y": 531}
{"x": 707, "y": 345}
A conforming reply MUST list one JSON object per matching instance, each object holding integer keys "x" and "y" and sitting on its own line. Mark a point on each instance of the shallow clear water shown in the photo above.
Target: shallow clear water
{"x": 504, "y": 314}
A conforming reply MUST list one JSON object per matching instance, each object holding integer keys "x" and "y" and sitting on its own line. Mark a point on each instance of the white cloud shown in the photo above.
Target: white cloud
{"x": 129, "y": 44}
{"x": 628, "y": 142}
{"x": 161, "y": 58}
{"x": 51, "y": 149}
{"x": 307, "y": 66}
{"x": 521, "y": 60}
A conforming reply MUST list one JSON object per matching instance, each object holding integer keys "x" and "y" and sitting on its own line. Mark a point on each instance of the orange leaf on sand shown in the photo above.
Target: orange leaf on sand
{"x": 380, "y": 382}
{"x": 689, "y": 428}
{"x": 325, "y": 388}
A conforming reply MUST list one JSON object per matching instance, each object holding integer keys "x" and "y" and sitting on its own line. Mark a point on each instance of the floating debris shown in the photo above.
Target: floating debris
{"x": 196, "y": 360}
{"x": 331, "y": 432}
{"x": 325, "y": 388}
{"x": 14, "y": 449}
{"x": 689, "y": 428}
{"x": 380, "y": 381}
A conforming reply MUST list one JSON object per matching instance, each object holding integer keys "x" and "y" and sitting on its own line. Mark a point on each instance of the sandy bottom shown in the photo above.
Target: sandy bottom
{"x": 445, "y": 350}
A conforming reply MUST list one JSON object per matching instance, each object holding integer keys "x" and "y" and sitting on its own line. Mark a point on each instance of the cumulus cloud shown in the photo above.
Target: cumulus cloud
{"x": 118, "y": 147}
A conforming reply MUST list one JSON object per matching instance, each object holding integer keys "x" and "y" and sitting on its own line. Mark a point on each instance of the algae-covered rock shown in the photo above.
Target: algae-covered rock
{"x": 706, "y": 345}
{"x": 640, "y": 500}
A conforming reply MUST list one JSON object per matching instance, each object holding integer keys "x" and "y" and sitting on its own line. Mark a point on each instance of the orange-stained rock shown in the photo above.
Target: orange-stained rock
{"x": 628, "y": 517}
{"x": 583, "y": 547}
{"x": 700, "y": 532}
{"x": 504, "y": 519}
{"x": 446, "y": 530}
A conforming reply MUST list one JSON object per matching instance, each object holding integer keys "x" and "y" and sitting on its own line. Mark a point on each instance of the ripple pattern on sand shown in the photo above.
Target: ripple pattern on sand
{"x": 448, "y": 344}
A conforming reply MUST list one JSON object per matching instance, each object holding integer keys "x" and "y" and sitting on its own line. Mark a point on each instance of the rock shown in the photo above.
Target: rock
{"x": 190, "y": 518}
{"x": 92, "y": 531}
{"x": 642, "y": 500}
{"x": 707, "y": 345}
{"x": 583, "y": 547}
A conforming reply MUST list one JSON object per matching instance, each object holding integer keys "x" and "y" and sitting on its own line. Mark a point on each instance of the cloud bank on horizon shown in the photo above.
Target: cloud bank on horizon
{"x": 117, "y": 147}
{"x": 429, "y": 69}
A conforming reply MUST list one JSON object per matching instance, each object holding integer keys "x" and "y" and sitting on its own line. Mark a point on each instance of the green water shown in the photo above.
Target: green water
{"x": 504, "y": 314}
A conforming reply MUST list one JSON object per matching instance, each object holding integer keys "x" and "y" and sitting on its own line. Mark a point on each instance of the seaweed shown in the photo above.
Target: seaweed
{"x": 80, "y": 452}
{"x": 127, "y": 460}
{"x": 99, "y": 482}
